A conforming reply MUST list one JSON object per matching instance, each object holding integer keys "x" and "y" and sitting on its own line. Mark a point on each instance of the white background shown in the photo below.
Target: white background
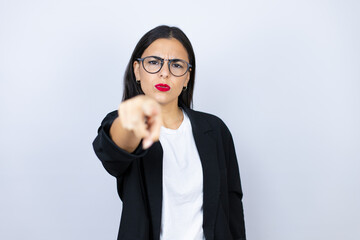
{"x": 283, "y": 75}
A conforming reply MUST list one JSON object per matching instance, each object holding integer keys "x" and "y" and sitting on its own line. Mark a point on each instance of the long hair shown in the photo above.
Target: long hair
{"x": 132, "y": 88}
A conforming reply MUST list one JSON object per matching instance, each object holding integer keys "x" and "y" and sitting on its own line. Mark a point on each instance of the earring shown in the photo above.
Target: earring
{"x": 184, "y": 88}
{"x": 138, "y": 81}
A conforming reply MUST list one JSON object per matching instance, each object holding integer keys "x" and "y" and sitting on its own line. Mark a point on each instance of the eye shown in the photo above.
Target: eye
{"x": 153, "y": 62}
{"x": 177, "y": 65}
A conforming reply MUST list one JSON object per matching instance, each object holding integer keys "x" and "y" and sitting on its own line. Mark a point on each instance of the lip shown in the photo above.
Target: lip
{"x": 162, "y": 87}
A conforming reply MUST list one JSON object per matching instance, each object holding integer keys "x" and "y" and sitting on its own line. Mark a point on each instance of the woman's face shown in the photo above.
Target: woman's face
{"x": 166, "y": 49}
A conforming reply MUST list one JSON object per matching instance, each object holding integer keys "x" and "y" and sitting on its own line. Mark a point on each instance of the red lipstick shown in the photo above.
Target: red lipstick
{"x": 162, "y": 87}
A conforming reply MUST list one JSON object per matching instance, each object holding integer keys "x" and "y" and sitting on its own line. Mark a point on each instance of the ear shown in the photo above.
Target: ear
{"x": 136, "y": 66}
{"x": 187, "y": 78}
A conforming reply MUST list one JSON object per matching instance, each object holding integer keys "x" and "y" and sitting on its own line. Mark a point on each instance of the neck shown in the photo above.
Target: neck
{"x": 172, "y": 116}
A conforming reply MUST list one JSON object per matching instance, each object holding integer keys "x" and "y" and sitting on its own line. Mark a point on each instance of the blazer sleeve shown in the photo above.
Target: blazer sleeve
{"x": 236, "y": 213}
{"x": 114, "y": 159}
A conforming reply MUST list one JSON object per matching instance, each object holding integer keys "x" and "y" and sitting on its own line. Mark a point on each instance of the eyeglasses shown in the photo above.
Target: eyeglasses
{"x": 153, "y": 64}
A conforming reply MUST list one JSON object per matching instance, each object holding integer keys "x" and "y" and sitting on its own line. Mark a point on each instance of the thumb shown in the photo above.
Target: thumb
{"x": 150, "y": 108}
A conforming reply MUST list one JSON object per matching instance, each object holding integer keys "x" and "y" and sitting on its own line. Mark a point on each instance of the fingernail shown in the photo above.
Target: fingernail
{"x": 147, "y": 143}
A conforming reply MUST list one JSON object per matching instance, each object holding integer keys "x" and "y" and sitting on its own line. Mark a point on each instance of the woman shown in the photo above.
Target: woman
{"x": 176, "y": 168}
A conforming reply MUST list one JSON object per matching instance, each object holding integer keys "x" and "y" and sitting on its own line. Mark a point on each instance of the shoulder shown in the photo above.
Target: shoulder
{"x": 211, "y": 118}
{"x": 110, "y": 117}
{"x": 215, "y": 122}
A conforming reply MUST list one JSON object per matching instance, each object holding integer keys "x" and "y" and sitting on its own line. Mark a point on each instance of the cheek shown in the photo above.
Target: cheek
{"x": 180, "y": 84}
{"x": 147, "y": 83}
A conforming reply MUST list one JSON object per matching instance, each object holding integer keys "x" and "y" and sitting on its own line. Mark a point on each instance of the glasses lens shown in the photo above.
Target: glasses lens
{"x": 178, "y": 67}
{"x": 152, "y": 64}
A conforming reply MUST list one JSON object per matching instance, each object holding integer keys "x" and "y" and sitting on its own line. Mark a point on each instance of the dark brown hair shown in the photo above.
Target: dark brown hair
{"x": 131, "y": 88}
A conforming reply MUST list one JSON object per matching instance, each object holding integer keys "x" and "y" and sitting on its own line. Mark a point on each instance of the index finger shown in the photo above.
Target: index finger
{"x": 151, "y": 108}
{"x": 154, "y": 131}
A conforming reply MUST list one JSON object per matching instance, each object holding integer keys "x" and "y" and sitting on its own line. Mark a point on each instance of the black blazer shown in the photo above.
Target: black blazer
{"x": 139, "y": 180}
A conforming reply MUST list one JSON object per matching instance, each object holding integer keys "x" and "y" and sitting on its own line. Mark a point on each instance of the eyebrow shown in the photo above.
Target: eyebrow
{"x": 166, "y": 58}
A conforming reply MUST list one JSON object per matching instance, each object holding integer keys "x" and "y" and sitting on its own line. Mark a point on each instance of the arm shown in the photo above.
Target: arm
{"x": 115, "y": 159}
{"x": 236, "y": 215}
{"x": 123, "y": 138}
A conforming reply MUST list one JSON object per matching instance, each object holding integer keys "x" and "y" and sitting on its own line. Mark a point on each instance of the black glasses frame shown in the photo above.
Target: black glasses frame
{"x": 162, "y": 64}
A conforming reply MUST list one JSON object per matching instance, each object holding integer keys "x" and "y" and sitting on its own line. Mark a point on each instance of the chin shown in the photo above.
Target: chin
{"x": 163, "y": 101}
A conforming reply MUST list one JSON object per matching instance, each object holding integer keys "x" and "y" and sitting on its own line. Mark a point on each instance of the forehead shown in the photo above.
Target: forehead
{"x": 166, "y": 48}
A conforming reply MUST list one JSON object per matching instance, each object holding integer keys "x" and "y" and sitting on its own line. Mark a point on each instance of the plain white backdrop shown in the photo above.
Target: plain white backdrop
{"x": 283, "y": 75}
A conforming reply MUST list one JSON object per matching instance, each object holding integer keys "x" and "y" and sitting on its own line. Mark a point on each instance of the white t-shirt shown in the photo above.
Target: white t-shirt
{"x": 182, "y": 202}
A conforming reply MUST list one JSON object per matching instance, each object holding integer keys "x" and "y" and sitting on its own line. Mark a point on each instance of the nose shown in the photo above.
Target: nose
{"x": 164, "y": 71}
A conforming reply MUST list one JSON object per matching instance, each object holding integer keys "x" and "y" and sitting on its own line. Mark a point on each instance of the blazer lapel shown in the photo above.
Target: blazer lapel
{"x": 207, "y": 149}
{"x": 153, "y": 167}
